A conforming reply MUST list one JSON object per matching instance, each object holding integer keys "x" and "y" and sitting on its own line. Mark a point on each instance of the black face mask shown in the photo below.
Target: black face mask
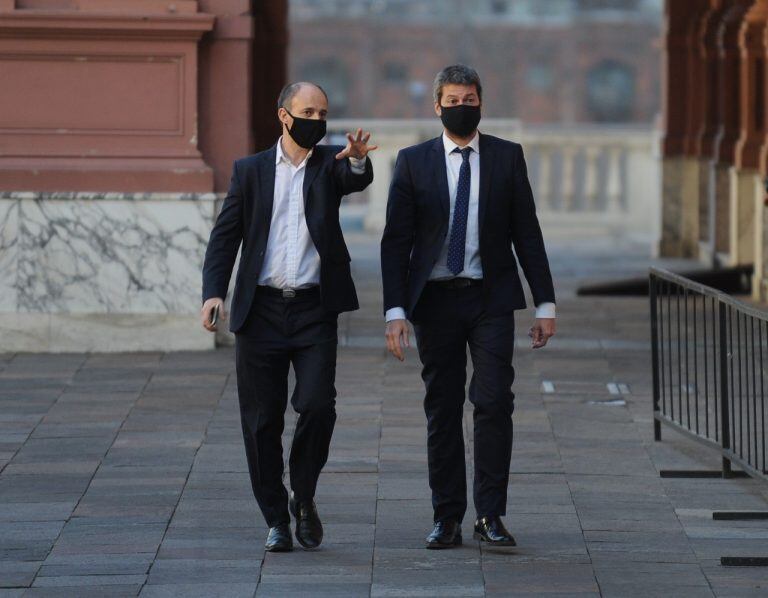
{"x": 307, "y": 132}
{"x": 460, "y": 120}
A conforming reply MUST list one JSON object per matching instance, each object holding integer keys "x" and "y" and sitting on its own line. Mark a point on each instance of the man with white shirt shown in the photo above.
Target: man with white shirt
{"x": 293, "y": 281}
{"x": 457, "y": 206}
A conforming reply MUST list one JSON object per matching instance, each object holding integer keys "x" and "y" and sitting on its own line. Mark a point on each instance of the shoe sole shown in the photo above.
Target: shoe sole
{"x": 438, "y": 546}
{"x": 481, "y": 538}
{"x": 279, "y": 549}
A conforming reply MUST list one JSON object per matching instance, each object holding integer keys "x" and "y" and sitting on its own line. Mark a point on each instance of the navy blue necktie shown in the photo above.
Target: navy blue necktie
{"x": 457, "y": 242}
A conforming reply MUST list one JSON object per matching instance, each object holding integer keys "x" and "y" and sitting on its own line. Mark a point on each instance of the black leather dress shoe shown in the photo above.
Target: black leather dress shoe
{"x": 492, "y": 531}
{"x": 279, "y": 539}
{"x": 309, "y": 529}
{"x": 446, "y": 534}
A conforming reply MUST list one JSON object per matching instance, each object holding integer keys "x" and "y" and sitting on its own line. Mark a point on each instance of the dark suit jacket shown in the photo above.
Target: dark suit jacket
{"x": 246, "y": 216}
{"x": 417, "y": 225}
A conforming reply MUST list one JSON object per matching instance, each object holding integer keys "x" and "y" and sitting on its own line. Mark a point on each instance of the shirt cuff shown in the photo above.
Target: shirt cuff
{"x": 395, "y": 313}
{"x": 545, "y": 310}
{"x": 357, "y": 165}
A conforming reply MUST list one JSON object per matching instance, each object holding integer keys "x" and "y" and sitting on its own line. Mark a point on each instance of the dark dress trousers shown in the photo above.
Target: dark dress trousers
{"x": 481, "y": 316}
{"x": 273, "y": 332}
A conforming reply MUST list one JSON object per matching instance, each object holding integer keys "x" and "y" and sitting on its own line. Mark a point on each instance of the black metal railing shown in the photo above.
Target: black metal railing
{"x": 709, "y": 369}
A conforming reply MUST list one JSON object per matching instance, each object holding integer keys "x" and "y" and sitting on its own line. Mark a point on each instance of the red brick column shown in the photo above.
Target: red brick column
{"x": 722, "y": 192}
{"x": 242, "y": 69}
{"x": 682, "y": 117}
{"x": 752, "y": 83}
{"x": 710, "y": 118}
{"x": 729, "y": 96}
{"x": 693, "y": 15}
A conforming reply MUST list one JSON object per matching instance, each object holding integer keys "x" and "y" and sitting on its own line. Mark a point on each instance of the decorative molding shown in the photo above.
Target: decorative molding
{"x": 103, "y": 25}
{"x": 96, "y": 57}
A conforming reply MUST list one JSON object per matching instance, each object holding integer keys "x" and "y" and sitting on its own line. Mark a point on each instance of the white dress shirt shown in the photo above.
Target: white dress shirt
{"x": 472, "y": 264}
{"x": 291, "y": 260}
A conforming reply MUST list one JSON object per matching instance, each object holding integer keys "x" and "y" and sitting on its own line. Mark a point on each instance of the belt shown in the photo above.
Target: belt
{"x": 290, "y": 293}
{"x": 457, "y": 283}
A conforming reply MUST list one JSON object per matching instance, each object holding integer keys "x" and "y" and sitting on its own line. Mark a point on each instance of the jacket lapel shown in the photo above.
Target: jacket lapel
{"x": 486, "y": 166}
{"x": 441, "y": 176}
{"x": 312, "y": 168}
{"x": 267, "y": 187}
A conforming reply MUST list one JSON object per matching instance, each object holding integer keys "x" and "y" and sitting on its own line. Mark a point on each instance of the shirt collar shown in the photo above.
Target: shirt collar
{"x": 450, "y": 145}
{"x": 281, "y": 157}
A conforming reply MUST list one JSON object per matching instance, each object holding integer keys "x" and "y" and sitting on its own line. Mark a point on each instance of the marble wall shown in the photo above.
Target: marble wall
{"x": 102, "y": 272}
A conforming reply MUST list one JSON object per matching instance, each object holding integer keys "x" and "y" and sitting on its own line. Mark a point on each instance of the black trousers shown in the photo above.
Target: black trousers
{"x": 278, "y": 333}
{"x": 446, "y": 321}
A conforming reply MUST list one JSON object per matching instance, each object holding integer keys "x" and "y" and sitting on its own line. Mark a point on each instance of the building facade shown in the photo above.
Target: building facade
{"x": 559, "y": 61}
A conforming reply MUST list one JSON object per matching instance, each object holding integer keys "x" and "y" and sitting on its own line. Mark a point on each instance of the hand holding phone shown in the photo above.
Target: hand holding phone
{"x": 211, "y": 312}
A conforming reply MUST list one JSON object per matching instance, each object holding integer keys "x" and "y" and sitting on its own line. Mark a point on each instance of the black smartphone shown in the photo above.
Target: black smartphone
{"x": 214, "y": 314}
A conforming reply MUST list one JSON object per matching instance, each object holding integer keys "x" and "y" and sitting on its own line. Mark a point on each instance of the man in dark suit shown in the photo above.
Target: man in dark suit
{"x": 457, "y": 205}
{"x": 293, "y": 281}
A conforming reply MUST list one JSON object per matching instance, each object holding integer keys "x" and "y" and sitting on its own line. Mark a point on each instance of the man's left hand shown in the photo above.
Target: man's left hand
{"x": 357, "y": 146}
{"x": 542, "y": 330}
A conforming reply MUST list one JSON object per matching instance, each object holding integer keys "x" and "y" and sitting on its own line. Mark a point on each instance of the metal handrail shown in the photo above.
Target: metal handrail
{"x": 708, "y": 351}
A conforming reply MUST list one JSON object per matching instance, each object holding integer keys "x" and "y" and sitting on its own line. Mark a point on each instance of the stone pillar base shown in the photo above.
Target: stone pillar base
{"x": 721, "y": 200}
{"x": 680, "y": 207}
{"x": 743, "y": 184}
{"x": 706, "y": 205}
{"x": 102, "y": 272}
{"x": 760, "y": 238}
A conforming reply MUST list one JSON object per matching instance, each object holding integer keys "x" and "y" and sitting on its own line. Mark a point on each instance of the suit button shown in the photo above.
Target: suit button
{"x": 261, "y": 254}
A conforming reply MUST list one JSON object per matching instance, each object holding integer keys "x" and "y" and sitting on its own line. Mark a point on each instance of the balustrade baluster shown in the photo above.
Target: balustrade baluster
{"x": 591, "y": 154}
{"x": 613, "y": 180}
{"x": 569, "y": 179}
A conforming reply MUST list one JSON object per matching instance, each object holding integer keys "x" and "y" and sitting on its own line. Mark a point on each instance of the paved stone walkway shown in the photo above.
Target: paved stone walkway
{"x": 125, "y": 474}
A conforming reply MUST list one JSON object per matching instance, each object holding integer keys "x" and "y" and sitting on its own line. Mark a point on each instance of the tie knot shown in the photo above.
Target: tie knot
{"x": 464, "y": 151}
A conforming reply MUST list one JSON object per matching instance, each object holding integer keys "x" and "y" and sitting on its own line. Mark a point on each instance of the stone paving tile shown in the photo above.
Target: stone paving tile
{"x": 200, "y": 590}
{"x": 124, "y": 474}
{"x": 15, "y": 574}
{"x": 176, "y": 571}
{"x": 88, "y": 580}
{"x": 311, "y": 590}
{"x": 85, "y": 591}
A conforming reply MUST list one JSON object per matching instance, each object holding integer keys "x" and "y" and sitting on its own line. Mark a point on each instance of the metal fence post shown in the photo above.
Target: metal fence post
{"x": 725, "y": 420}
{"x": 655, "y": 355}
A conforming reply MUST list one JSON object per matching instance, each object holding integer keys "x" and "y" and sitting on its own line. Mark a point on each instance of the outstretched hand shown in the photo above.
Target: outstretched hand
{"x": 357, "y": 146}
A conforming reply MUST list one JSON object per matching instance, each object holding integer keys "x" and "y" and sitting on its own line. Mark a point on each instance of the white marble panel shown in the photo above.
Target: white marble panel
{"x": 128, "y": 332}
{"x": 112, "y": 256}
{"x": 9, "y": 251}
{"x": 101, "y": 332}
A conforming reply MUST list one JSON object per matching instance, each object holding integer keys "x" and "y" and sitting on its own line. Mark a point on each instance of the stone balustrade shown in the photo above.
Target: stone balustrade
{"x": 587, "y": 179}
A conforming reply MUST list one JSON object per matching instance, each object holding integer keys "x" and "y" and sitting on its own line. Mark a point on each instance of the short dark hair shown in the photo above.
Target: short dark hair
{"x": 458, "y": 74}
{"x": 290, "y": 90}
